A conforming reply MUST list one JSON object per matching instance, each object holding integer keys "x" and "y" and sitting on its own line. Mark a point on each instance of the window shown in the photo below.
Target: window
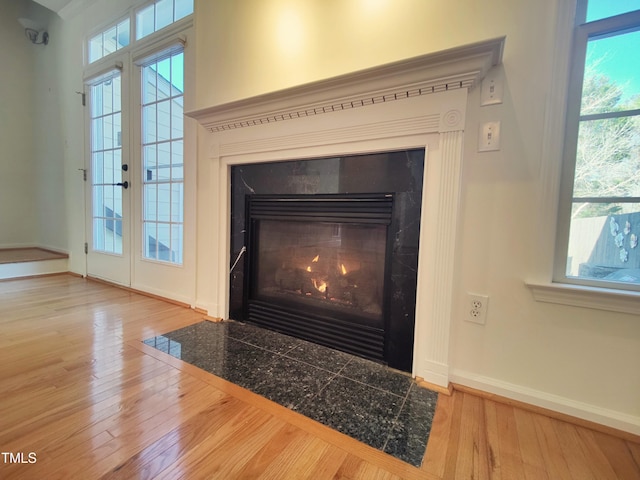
{"x": 149, "y": 19}
{"x": 108, "y": 41}
{"x": 159, "y": 193}
{"x": 162, "y": 157}
{"x": 599, "y": 221}
{"x": 160, "y": 14}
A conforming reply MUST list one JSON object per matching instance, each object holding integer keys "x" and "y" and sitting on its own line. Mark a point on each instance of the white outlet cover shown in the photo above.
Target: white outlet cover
{"x": 476, "y": 308}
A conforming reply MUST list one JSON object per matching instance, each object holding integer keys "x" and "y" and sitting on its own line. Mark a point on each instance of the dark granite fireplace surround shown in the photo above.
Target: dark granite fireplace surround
{"x": 397, "y": 175}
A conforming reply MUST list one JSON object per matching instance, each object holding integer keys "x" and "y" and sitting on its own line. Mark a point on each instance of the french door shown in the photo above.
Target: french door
{"x": 108, "y": 246}
{"x": 140, "y": 190}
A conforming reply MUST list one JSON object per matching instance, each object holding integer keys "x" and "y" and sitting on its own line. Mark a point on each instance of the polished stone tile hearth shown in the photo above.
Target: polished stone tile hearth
{"x": 367, "y": 401}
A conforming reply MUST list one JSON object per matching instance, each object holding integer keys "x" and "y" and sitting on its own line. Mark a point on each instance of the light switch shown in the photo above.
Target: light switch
{"x": 489, "y": 139}
{"x": 491, "y": 91}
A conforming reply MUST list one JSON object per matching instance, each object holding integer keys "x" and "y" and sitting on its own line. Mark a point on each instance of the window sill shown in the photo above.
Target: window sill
{"x": 622, "y": 301}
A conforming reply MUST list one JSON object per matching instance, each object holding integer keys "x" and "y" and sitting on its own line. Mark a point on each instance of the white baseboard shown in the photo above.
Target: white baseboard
{"x": 585, "y": 411}
{"x": 164, "y": 294}
{"x": 433, "y": 372}
{"x": 208, "y": 307}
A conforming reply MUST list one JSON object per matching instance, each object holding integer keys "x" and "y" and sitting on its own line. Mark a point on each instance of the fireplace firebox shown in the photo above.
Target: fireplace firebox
{"x": 331, "y": 251}
{"x": 317, "y": 268}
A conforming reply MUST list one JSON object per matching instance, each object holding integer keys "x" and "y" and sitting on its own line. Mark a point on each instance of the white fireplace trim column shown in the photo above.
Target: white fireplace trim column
{"x": 417, "y": 103}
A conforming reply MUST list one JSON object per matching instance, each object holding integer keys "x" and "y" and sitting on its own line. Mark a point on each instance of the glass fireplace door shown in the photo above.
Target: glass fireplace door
{"x": 336, "y": 267}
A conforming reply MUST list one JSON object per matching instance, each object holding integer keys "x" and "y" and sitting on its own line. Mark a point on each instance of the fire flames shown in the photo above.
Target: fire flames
{"x": 315, "y": 260}
{"x": 319, "y": 284}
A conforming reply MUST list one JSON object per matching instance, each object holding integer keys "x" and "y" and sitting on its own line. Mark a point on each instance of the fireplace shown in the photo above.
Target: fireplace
{"x": 317, "y": 268}
{"x": 331, "y": 250}
{"x": 418, "y": 102}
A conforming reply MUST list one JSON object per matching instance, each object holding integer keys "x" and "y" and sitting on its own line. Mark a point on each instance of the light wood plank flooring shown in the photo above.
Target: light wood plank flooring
{"x": 82, "y": 393}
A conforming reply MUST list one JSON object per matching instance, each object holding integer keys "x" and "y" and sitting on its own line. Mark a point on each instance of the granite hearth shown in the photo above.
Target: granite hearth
{"x": 378, "y": 406}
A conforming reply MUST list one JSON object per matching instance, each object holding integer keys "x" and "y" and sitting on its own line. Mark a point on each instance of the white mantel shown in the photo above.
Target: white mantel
{"x": 415, "y": 103}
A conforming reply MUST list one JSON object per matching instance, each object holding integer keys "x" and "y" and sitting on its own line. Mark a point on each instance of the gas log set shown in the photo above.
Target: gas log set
{"x": 326, "y": 279}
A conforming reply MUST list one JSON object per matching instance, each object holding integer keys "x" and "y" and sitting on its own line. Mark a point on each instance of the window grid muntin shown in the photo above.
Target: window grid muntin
{"x": 110, "y": 40}
{"x": 162, "y": 133}
{"x": 128, "y": 30}
{"x": 160, "y": 14}
{"x": 106, "y": 201}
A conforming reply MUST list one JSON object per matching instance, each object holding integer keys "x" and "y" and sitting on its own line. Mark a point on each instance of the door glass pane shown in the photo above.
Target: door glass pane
{"x": 177, "y": 167}
{"x": 150, "y": 243}
{"x": 98, "y": 233}
{"x": 164, "y": 242}
{"x": 150, "y": 202}
{"x": 164, "y": 120}
{"x": 149, "y": 123}
{"x": 176, "y": 242}
{"x": 162, "y": 162}
{"x": 106, "y": 164}
{"x": 164, "y": 78}
{"x": 177, "y": 112}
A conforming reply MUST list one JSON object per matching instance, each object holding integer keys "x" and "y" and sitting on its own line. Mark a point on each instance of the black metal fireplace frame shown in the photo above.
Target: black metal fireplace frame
{"x": 351, "y": 333}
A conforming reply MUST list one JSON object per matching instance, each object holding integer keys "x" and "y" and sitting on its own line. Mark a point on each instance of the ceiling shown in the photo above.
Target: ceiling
{"x": 54, "y": 5}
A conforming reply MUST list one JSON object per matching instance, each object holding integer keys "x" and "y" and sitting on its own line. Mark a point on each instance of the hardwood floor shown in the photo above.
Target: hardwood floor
{"x": 87, "y": 399}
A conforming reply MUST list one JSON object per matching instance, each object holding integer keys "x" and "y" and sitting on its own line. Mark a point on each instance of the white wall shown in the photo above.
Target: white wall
{"x": 17, "y": 200}
{"x": 587, "y": 359}
{"x": 32, "y": 207}
{"x": 51, "y": 215}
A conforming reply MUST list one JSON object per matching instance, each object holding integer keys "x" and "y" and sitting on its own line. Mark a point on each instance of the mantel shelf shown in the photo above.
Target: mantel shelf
{"x": 461, "y": 67}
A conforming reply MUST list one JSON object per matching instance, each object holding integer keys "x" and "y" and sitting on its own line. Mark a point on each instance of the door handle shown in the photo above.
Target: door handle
{"x": 124, "y": 184}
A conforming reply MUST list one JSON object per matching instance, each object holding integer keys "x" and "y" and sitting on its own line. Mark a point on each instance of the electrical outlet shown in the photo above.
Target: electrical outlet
{"x": 477, "y": 306}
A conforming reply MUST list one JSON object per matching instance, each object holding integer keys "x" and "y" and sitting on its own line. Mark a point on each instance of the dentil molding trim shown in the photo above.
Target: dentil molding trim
{"x": 461, "y": 67}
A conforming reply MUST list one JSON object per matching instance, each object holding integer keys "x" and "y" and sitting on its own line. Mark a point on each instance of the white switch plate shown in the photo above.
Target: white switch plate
{"x": 491, "y": 90}
{"x": 489, "y": 137}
